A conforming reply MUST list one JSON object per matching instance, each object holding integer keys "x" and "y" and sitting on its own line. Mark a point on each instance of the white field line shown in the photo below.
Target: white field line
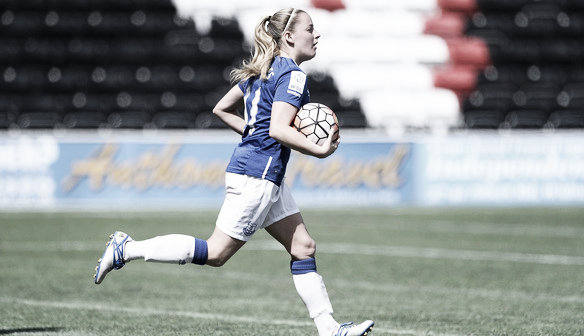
{"x": 393, "y": 288}
{"x": 485, "y": 228}
{"x": 351, "y": 286}
{"x": 394, "y": 223}
{"x": 78, "y": 305}
{"x": 270, "y": 245}
{"x": 431, "y": 253}
{"x": 531, "y": 230}
{"x": 336, "y": 248}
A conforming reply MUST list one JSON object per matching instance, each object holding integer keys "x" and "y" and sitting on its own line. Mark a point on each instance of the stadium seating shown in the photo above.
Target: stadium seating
{"x": 384, "y": 61}
{"x": 477, "y": 49}
{"x": 125, "y": 64}
{"x": 88, "y": 64}
{"x": 432, "y": 65}
{"x": 536, "y": 50}
{"x": 117, "y": 64}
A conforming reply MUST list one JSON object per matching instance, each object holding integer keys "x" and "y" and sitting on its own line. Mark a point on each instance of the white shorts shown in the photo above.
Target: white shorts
{"x": 252, "y": 204}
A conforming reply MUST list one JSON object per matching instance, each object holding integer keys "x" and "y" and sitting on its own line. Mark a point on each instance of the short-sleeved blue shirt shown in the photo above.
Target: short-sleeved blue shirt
{"x": 258, "y": 154}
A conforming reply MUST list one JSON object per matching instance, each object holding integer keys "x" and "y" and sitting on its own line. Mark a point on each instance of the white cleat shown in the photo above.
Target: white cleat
{"x": 351, "y": 329}
{"x": 113, "y": 256}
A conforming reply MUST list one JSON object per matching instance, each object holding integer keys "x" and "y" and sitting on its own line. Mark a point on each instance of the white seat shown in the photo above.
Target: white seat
{"x": 375, "y": 51}
{"x": 232, "y": 7}
{"x": 203, "y": 11}
{"x": 435, "y": 109}
{"x": 416, "y": 5}
{"x": 359, "y": 23}
{"x": 421, "y": 49}
{"x": 354, "y": 80}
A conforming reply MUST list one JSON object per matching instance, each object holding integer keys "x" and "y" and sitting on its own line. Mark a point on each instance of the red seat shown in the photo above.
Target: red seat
{"x": 446, "y": 25}
{"x": 469, "y": 51}
{"x": 330, "y": 5}
{"x": 466, "y": 6}
{"x": 459, "y": 79}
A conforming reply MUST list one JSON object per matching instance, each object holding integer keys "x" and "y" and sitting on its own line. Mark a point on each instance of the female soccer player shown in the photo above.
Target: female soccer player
{"x": 271, "y": 88}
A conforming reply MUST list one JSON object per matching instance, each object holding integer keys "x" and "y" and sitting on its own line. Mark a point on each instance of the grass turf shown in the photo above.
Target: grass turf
{"x": 495, "y": 271}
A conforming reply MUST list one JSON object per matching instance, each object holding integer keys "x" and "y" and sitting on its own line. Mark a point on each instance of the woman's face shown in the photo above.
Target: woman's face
{"x": 305, "y": 38}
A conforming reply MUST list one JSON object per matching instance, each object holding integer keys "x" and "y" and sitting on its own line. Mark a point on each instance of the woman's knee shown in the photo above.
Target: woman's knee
{"x": 218, "y": 255}
{"x": 303, "y": 248}
{"x": 217, "y": 260}
{"x": 221, "y": 248}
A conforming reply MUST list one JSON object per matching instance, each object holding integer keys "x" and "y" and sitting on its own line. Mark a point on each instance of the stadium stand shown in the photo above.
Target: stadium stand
{"x": 122, "y": 64}
{"x": 535, "y": 51}
{"x": 398, "y": 65}
{"x": 113, "y": 64}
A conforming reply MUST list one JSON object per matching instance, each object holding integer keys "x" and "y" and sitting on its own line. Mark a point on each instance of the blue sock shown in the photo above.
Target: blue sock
{"x": 201, "y": 252}
{"x": 303, "y": 266}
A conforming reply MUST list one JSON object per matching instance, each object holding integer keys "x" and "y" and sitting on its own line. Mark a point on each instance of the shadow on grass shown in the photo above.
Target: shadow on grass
{"x": 29, "y": 330}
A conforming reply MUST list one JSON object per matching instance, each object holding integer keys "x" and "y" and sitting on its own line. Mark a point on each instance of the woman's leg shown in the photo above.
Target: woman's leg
{"x": 172, "y": 248}
{"x": 292, "y": 234}
{"x": 221, "y": 248}
{"x": 182, "y": 249}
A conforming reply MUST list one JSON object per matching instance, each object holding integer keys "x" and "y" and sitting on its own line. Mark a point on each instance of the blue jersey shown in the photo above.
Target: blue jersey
{"x": 258, "y": 154}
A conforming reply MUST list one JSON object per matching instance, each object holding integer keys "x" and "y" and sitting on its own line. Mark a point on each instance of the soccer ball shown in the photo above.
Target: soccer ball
{"x": 315, "y": 120}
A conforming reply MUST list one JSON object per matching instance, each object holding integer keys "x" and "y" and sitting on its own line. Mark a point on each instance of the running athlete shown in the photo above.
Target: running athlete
{"x": 270, "y": 88}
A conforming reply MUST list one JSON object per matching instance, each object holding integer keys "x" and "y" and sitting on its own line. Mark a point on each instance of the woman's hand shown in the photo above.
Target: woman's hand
{"x": 330, "y": 145}
{"x": 281, "y": 130}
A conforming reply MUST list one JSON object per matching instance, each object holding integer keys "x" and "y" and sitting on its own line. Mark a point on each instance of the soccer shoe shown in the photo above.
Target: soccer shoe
{"x": 113, "y": 256}
{"x": 351, "y": 329}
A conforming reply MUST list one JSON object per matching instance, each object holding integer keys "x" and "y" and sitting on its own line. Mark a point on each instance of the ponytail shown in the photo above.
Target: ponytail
{"x": 267, "y": 41}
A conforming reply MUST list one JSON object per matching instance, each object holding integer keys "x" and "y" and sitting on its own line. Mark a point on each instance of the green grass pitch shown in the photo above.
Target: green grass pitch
{"x": 415, "y": 271}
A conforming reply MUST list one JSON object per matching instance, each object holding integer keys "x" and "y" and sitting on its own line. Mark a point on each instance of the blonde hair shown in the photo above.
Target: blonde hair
{"x": 268, "y": 40}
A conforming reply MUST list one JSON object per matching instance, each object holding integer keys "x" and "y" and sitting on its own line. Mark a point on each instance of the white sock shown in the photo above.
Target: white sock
{"x": 173, "y": 248}
{"x": 326, "y": 324}
{"x": 312, "y": 291}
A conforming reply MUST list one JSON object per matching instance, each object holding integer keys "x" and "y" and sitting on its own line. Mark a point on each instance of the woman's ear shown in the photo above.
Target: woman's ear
{"x": 289, "y": 37}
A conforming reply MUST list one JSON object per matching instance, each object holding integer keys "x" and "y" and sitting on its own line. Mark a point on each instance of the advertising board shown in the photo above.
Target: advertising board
{"x": 187, "y": 171}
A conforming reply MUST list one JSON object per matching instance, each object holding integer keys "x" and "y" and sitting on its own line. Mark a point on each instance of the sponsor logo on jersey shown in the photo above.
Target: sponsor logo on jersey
{"x": 297, "y": 82}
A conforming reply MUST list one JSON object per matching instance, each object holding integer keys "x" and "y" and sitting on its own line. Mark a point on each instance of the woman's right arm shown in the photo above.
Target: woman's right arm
{"x": 226, "y": 109}
{"x": 281, "y": 130}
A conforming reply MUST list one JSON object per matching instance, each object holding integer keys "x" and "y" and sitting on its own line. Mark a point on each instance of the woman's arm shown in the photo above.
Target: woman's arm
{"x": 280, "y": 129}
{"x": 226, "y": 109}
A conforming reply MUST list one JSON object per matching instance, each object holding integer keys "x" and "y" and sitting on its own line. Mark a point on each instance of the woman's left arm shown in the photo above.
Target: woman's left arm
{"x": 280, "y": 129}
